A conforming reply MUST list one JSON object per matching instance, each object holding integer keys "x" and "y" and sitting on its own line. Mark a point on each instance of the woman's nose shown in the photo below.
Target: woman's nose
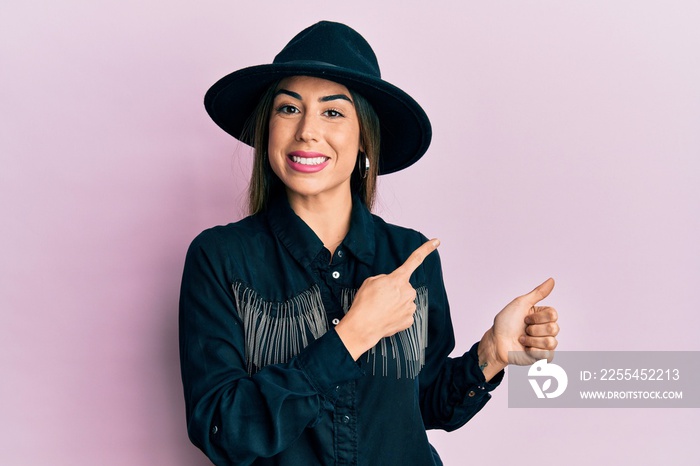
{"x": 307, "y": 129}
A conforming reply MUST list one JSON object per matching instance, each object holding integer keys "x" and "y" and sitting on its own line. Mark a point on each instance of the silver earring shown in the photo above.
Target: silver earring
{"x": 363, "y": 170}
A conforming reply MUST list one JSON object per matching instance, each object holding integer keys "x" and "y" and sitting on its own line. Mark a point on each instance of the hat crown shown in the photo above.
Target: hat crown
{"x": 334, "y": 44}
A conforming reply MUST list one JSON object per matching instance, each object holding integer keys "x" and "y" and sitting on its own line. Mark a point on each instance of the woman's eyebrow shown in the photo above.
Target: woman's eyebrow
{"x": 328, "y": 98}
{"x": 289, "y": 93}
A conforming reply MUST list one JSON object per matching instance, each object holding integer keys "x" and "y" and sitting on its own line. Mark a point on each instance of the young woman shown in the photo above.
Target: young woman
{"x": 312, "y": 332}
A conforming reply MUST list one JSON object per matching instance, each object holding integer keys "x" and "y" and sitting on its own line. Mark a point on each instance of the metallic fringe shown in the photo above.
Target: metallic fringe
{"x": 407, "y": 347}
{"x": 275, "y": 332}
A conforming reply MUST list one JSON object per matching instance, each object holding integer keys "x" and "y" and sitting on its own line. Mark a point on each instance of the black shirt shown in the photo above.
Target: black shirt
{"x": 268, "y": 381}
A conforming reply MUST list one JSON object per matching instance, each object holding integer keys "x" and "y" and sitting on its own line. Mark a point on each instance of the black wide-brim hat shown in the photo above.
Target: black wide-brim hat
{"x": 335, "y": 52}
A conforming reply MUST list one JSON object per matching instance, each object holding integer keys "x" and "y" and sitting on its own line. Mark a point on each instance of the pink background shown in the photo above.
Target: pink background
{"x": 567, "y": 137}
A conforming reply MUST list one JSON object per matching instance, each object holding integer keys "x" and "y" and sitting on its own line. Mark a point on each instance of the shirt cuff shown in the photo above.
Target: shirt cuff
{"x": 471, "y": 387}
{"x": 328, "y": 364}
{"x": 478, "y": 374}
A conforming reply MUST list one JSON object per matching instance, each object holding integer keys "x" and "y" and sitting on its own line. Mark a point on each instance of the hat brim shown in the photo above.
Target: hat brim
{"x": 405, "y": 128}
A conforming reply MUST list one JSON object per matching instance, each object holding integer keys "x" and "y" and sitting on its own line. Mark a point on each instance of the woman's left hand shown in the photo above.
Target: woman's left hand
{"x": 523, "y": 329}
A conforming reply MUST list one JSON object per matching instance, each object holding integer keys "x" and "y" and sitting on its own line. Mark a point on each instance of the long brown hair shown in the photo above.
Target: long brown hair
{"x": 263, "y": 181}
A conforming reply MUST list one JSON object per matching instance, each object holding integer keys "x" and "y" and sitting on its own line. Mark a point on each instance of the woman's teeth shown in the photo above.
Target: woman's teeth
{"x": 308, "y": 160}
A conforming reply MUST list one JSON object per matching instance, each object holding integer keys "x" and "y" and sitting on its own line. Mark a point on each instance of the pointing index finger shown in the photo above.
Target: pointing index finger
{"x": 416, "y": 258}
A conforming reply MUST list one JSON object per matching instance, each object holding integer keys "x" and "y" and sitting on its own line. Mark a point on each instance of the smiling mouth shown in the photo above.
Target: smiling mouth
{"x": 311, "y": 161}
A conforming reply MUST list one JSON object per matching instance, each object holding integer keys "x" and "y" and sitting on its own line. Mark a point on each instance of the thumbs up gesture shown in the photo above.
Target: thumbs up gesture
{"x": 521, "y": 327}
{"x": 384, "y": 305}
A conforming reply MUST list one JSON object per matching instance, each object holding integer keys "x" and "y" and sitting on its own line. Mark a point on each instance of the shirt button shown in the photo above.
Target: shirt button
{"x": 346, "y": 419}
{"x": 340, "y": 253}
{"x": 335, "y": 274}
{"x": 335, "y": 321}
{"x": 471, "y": 394}
{"x": 214, "y": 430}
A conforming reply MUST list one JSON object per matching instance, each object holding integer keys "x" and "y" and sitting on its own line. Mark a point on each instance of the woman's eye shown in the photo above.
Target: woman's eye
{"x": 332, "y": 113}
{"x": 288, "y": 109}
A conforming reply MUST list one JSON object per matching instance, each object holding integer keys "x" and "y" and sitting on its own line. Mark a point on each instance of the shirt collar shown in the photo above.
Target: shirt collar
{"x": 360, "y": 239}
{"x": 303, "y": 244}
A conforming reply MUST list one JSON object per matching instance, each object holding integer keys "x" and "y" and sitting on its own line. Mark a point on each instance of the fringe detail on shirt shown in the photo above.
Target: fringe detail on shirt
{"x": 275, "y": 332}
{"x": 406, "y": 348}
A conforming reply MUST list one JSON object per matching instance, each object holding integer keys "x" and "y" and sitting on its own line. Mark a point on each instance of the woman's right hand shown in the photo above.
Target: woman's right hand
{"x": 383, "y": 306}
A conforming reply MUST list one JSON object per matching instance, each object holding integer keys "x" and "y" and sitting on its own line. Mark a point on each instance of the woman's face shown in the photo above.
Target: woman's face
{"x": 314, "y": 136}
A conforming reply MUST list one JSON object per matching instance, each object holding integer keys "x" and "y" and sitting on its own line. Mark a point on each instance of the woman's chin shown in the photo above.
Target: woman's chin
{"x": 314, "y": 190}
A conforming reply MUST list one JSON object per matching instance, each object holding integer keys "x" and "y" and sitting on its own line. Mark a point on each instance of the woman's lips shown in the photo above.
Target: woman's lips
{"x": 307, "y": 162}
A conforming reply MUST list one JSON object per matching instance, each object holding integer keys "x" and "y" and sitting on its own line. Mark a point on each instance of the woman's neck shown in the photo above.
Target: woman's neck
{"x": 328, "y": 215}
